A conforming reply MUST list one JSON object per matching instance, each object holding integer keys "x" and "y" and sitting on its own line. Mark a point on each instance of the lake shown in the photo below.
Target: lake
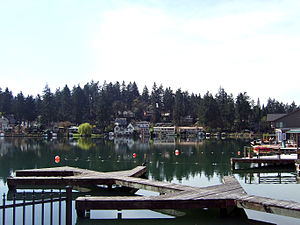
{"x": 198, "y": 163}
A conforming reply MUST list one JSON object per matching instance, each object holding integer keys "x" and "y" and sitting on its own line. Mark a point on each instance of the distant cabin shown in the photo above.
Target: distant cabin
{"x": 287, "y": 127}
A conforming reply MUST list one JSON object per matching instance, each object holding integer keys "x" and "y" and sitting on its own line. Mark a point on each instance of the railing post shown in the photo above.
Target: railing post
{"x": 59, "y": 208}
{"x": 43, "y": 207}
{"x": 14, "y": 208}
{"x": 51, "y": 207}
{"x": 3, "y": 211}
{"x": 24, "y": 209}
{"x": 69, "y": 205}
{"x": 33, "y": 208}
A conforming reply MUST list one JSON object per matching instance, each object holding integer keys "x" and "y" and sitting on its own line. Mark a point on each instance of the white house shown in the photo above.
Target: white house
{"x": 123, "y": 130}
{"x": 3, "y": 123}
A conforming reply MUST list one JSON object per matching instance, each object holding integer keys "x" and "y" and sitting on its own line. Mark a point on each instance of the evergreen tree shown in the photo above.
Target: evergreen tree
{"x": 19, "y": 107}
{"x": 243, "y": 111}
{"x": 30, "y": 111}
{"x": 210, "y": 111}
{"x": 7, "y": 102}
{"x": 79, "y": 105}
{"x": 47, "y": 107}
{"x": 145, "y": 95}
{"x": 65, "y": 109}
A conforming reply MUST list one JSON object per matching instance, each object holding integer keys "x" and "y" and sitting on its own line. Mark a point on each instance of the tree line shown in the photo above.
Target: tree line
{"x": 101, "y": 104}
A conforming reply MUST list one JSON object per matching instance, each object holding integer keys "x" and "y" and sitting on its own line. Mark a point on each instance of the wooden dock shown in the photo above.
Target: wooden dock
{"x": 69, "y": 176}
{"x": 230, "y": 194}
{"x": 275, "y": 157}
{"x": 263, "y": 161}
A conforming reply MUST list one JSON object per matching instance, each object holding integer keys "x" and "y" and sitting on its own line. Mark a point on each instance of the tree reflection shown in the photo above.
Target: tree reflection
{"x": 208, "y": 158}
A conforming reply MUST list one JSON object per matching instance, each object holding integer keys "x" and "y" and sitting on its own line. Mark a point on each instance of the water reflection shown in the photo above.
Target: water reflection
{"x": 194, "y": 156}
{"x": 269, "y": 175}
{"x": 198, "y": 163}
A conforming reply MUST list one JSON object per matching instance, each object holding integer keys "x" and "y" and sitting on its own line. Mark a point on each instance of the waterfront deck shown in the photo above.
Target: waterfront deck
{"x": 230, "y": 194}
{"x": 65, "y": 176}
{"x": 275, "y": 157}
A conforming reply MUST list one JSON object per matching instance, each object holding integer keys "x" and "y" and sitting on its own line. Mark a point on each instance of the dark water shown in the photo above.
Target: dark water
{"x": 199, "y": 163}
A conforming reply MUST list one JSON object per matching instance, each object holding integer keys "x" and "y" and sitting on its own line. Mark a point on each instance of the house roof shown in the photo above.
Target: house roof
{"x": 285, "y": 115}
{"x": 273, "y": 117}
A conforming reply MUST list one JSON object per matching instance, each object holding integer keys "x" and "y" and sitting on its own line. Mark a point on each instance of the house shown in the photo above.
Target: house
{"x": 121, "y": 122}
{"x": 287, "y": 127}
{"x": 123, "y": 130}
{"x": 11, "y": 119}
{"x": 73, "y": 130}
{"x": 3, "y": 124}
{"x": 164, "y": 130}
{"x": 128, "y": 114}
{"x": 189, "y": 131}
{"x": 143, "y": 128}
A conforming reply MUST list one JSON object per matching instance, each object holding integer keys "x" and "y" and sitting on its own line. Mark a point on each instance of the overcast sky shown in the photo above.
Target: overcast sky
{"x": 248, "y": 46}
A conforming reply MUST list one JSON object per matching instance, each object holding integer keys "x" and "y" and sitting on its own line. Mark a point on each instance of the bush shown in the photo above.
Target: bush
{"x": 85, "y": 129}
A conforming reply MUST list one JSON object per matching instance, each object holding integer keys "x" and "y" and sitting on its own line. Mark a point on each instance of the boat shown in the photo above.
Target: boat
{"x": 265, "y": 148}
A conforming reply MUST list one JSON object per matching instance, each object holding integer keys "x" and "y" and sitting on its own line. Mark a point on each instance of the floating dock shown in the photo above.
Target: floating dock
{"x": 230, "y": 194}
{"x": 276, "y": 157}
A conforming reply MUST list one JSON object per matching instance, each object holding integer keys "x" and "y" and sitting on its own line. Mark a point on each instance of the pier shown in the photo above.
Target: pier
{"x": 275, "y": 157}
{"x": 230, "y": 194}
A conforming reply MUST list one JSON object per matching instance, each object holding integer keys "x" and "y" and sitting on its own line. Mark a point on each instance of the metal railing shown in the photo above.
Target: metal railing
{"x": 25, "y": 200}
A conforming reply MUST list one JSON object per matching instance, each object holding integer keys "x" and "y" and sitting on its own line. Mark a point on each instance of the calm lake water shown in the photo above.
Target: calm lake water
{"x": 199, "y": 163}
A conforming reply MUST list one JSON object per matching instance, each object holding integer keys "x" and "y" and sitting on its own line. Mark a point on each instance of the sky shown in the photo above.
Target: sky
{"x": 248, "y": 46}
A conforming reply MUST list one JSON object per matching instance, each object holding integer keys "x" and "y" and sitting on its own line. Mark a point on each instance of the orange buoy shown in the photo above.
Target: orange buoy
{"x": 57, "y": 159}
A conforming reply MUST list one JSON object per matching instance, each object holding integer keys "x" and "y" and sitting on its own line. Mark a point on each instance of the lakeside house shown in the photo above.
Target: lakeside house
{"x": 189, "y": 131}
{"x": 287, "y": 127}
{"x": 164, "y": 130}
{"x": 143, "y": 128}
{"x": 123, "y": 130}
{"x": 3, "y": 124}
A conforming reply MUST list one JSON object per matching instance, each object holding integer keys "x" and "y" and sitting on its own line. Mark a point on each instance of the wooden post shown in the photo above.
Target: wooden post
{"x": 33, "y": 207}
{"x": 119, "y": 214}
{"x": 14, "y": 208}
{"x": 3, "y": 211}
{"x": 250, "y": 153}
{"x": 24, "y": 208}
{"x": 80, "y": 212}
{"x": 69, "y": 205}
{"x": 59, "y": 208}
{"x": 223, "y": 212}
{"x": 232, "y": 164}
{"x": 43, "y": 207}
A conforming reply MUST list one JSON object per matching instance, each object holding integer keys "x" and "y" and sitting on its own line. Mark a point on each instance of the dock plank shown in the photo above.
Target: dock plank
{"x": 173, "y": 196}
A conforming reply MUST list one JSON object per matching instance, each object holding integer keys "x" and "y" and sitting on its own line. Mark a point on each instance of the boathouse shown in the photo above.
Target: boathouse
{"x": 186, "y": 131}
{"x": 287, "y": 127}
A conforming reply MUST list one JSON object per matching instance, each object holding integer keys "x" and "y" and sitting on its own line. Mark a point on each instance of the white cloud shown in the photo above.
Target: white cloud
{"x": 228, "y": 27}
{"x": 243, "y": 51}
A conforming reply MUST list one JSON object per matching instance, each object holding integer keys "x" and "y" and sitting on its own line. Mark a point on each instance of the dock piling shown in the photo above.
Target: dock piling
{"x": 69, "y": 205}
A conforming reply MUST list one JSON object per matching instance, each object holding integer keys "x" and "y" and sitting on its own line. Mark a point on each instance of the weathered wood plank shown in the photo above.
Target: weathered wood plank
{"x": 175, "y": 196}
{"x": 279, "y": 207}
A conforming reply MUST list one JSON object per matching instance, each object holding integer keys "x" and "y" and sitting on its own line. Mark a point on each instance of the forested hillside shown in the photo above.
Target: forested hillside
{"x": 101, "y": 104}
